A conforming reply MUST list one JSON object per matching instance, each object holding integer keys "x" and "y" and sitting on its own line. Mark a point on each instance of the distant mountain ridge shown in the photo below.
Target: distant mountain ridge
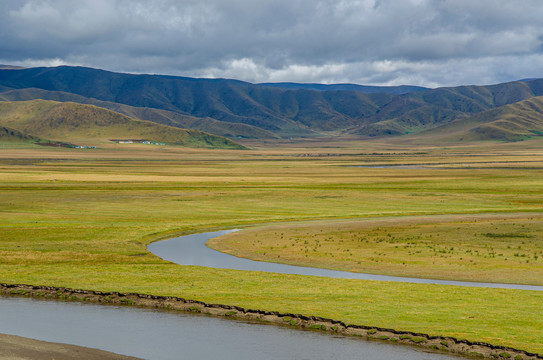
{"x": 395, "y": 90}
{"x": 11, "y": 67}
{"x": 235, "y": 108}
{"x": 165, "y": 117}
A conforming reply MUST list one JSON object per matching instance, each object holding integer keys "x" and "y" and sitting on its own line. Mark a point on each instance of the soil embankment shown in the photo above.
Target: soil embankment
{"x": 20, "y": 348}
{"x": 438, "y": 343}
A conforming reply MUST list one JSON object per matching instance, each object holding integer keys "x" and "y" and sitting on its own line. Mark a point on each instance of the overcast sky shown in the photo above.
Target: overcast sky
{"x": 375, "y": 42}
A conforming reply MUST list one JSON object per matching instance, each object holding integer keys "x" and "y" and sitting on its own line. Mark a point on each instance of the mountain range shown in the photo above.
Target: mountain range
{"x": 236, "y": 109}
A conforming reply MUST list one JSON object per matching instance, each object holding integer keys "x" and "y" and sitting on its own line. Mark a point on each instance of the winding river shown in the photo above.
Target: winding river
{"x": 191, "y": 250}
{"x": 161, "y": 335}
{"x": 153, "y": 334}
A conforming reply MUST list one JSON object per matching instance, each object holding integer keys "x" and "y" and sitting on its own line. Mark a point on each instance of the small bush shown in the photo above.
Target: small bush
{"x": 418, "y": 339}
{"x": 127, "y": 301}
{"x": 19, "y": 292}
{"x": 318, "y": 327}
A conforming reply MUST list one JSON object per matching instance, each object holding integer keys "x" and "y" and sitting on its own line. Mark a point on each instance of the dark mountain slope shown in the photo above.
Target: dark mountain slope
{"x": 284, "y": 112}
{"x": 394, "y": 90}
{"x": 209, "y": 125}
{"x": 287, "y": 112}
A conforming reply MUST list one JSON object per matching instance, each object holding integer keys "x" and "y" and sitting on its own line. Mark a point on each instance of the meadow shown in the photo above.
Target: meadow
{"x": 504, "y": 248}
{"x": 81, "y": 218}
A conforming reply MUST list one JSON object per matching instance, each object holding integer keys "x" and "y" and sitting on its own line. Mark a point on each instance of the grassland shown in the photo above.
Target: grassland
{"x": 506, "y": 248}
{"x": 82, "y": 219}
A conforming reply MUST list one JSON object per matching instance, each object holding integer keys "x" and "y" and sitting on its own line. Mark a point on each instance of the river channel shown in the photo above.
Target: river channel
{"x": 154, "y": 334}
{"x": 161, "y": 335}
{"x": 191, "y": 250}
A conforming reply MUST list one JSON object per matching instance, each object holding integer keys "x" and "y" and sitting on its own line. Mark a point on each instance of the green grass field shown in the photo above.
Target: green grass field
{"x": 505, "y": 248}
{"x": 82, "y": 219}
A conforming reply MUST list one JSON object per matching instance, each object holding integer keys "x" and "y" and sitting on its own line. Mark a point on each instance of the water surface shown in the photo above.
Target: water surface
{"x": 160, "y": 335}
{"x": 191, "y": 250}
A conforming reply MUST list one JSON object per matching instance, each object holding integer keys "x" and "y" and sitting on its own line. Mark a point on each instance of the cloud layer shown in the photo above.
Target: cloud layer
{"x": 381, "y": 42}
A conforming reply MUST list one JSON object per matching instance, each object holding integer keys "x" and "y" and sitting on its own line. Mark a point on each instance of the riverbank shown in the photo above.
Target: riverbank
{"x": 20, "y": 348}
{"x": 205, "y": 249}
{"x": 438, "y": 343}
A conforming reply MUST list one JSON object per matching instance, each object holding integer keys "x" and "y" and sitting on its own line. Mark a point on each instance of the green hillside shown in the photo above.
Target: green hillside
{"x": 419, "y": 111}
{"x": 165, "y": 117}
{"x": 12, "y": 135}
{"x": 73, "y": 123}
{"x": 519, "y": 121}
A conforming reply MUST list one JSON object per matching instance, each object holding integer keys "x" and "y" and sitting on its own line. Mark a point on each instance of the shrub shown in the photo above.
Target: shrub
{"x": 418, "y": 339}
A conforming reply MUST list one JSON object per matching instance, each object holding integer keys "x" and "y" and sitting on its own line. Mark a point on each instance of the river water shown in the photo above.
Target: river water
{"x": 153, "y": 334}
{"x": 160, "y": 335}
{"x": 191, "y": 250}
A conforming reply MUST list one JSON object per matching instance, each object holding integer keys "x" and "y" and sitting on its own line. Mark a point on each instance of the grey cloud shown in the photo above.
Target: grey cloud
{"x": 421, "y": 42}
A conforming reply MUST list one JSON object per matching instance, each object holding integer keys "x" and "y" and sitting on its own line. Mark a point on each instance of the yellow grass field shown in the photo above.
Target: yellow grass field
{"x": 504, "y": 248}
{"x": 82, "y": 218}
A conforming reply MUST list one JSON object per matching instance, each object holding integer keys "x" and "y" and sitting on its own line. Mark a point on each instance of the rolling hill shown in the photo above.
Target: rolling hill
{"x": 419, "y": 111}
{"x": 72, "y": 123}
{"x": 239, "y": 109}
{"x": 164, "y": 117}
{"x": 281, "y": 111}
{"x": 11, "y": 135}
{"x": 514, "y": 122}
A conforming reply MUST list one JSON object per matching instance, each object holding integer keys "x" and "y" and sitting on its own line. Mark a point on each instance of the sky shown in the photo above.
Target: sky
{"x": 371, "y": 42}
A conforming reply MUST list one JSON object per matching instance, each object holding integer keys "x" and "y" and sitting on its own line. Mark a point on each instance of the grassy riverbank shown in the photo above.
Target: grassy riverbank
{"x": 504, "y": 248}
{"x": 81, "y": 219}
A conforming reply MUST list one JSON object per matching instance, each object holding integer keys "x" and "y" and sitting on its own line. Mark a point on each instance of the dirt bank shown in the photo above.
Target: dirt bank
{"x": 438, "y": 343}
{"x": 19, "y": 348}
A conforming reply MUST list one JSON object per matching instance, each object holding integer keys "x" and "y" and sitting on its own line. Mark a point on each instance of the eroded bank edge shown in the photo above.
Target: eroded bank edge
{"x": 439, "y": 343}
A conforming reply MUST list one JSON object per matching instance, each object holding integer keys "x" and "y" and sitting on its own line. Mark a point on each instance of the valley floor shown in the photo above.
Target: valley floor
{"x": 82, "y": 219}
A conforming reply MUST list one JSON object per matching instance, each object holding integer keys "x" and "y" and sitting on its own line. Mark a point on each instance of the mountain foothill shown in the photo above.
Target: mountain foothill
{"x": 223, "y": 109}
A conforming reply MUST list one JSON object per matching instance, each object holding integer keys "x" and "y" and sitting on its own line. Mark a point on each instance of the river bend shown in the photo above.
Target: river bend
{"x": 191, "y": 250}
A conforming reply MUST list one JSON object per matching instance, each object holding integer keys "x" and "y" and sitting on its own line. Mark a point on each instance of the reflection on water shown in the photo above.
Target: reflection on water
{"x": 191, "y": 250}
{"x": 159, "y": 335}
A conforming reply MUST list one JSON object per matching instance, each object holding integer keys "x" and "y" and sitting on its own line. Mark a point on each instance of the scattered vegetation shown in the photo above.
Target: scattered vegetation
{"x": 456, "y": 247}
